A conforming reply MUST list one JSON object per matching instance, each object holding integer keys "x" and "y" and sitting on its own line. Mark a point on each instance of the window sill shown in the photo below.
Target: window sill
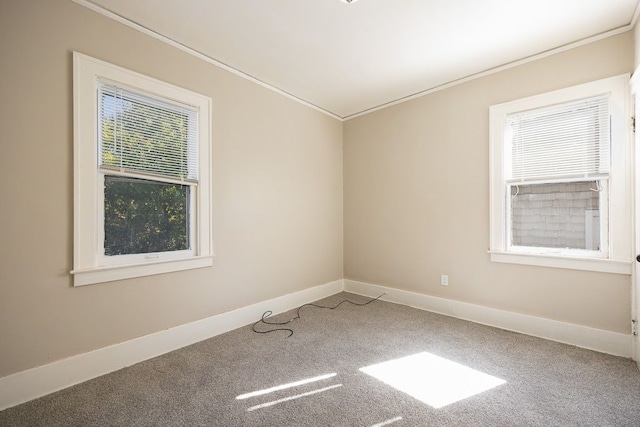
{"x": 112, "y": 273}
{"x": 588, "y": 264}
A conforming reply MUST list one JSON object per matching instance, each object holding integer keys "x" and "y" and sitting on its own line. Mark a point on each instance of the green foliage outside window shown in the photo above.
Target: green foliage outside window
{"x": 143, "y": 215}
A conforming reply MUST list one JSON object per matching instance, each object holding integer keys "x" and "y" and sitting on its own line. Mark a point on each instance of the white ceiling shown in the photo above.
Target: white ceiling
{"x": 349, "y": 58}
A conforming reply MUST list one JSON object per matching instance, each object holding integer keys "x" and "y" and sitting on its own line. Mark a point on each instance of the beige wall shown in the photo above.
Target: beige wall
{"x": 277, "y": 192}
{"x": 636, "y": 45}
{"x": 415, "y": 187}
{"x": 416, "y": 191}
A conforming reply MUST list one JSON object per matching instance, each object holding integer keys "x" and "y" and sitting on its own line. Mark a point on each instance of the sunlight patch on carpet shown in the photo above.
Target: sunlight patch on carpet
{"x": 387, "y": 422}
{"x": 431, "y": 379}
{"x": 297, "y": 396}
{"x": 284, "y": 386}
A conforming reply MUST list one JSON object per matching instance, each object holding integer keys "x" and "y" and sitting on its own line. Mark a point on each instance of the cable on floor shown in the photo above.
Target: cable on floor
{"x": 268, "y": 313}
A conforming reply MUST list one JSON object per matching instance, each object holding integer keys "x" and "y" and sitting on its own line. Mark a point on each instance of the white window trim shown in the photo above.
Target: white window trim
{"x": 618, "y": 259}
{"x": 87, "y": 265}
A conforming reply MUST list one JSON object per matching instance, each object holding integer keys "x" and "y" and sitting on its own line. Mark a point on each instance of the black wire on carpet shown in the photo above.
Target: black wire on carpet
{"x": 269, "y": 313}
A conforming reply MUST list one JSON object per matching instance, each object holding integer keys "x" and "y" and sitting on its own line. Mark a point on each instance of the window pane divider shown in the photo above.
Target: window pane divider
{"x": 548, "y": 180}
{"x": 149, "y": 177}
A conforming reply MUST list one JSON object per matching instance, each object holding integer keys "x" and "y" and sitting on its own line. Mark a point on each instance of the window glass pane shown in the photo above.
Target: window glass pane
{"x": 142, "y": 216}
{"x": 556, "y": 215}
{"x": 142, "y": 134}
{"x": 570, "y": 139}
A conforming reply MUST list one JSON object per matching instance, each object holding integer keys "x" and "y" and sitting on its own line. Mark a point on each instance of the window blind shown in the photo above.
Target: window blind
{"x": 561, "y": 141}
{"x": 144, "y": 134}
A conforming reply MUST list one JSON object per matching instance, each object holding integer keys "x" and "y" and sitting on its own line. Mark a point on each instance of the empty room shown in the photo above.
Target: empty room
{"x": 319, "y": 213}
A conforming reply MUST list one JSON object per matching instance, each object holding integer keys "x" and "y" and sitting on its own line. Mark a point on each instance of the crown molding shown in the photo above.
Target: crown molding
{"x": 122, "y": 20}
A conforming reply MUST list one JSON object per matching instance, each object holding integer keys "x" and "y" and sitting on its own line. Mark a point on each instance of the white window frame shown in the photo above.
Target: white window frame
{"x": 89, "y": 263}
{"x": 617, "y": 257}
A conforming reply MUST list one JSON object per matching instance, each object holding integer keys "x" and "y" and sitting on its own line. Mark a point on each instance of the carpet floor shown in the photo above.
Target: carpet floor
{"x": 374, "y": 365}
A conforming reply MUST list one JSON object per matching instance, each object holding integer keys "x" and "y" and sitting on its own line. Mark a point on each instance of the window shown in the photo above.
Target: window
{"x": 561, "y": 178}
{"x": 142, "y": 177}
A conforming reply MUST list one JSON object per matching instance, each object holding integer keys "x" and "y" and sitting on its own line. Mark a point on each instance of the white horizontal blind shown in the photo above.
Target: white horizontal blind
{"x": 144, "y": 134}
{"x": 569, "y": 140}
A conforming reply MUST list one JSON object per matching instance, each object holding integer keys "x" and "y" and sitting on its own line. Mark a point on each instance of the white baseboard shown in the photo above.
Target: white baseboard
{"x": 581, "y": 336}
{"x": 42, "y": 380}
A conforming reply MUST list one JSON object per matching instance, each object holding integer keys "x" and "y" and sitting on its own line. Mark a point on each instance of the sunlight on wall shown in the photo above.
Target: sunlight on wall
{"x": 432, "y": 379}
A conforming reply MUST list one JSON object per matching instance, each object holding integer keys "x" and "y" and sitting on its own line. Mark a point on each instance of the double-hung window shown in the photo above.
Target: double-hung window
{"x": 142, "y": 175}
{"x": 560, "y": 178}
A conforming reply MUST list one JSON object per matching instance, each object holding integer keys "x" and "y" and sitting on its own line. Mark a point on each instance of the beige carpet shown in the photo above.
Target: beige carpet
{"x": 374, "y": 365}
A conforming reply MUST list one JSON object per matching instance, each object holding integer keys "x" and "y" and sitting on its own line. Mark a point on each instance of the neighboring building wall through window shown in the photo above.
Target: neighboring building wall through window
{"x": 557, "y": 215}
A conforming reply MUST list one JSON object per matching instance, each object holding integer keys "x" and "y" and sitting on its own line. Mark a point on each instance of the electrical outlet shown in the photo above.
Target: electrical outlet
{"x": 444, "y": 280}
